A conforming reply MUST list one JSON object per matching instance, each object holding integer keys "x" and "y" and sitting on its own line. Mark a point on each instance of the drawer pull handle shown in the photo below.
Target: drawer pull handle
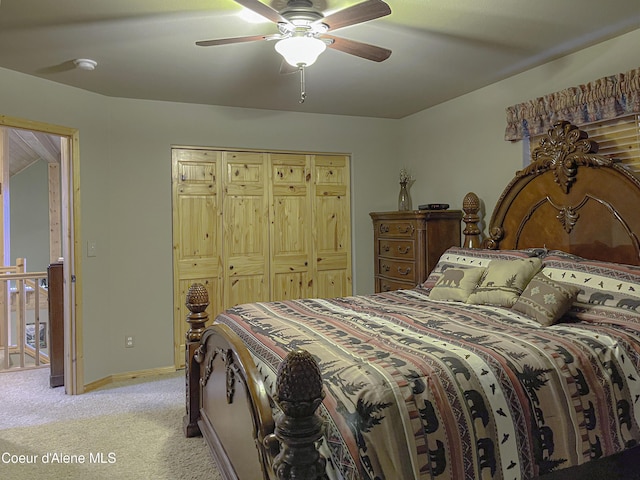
{"x": 407, "y": 271}
{"x": 385, "y": 267}
{"x": 404, "y": 250}
{"x": 407, "y": 229}
{"x": 384, "y": 228}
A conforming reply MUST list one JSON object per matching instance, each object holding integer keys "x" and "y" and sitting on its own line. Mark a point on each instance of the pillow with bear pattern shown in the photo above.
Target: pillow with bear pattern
{"x": 504, "y": 281}
{"x": 456, "y": 284}
{"x": 461, "y": 257}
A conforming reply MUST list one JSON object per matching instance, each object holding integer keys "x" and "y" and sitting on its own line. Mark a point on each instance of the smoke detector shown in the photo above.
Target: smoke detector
{"x": 85, "y": 64}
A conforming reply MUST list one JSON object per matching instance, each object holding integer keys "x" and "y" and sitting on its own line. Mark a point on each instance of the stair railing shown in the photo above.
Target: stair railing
{"x": 21, "y": 292}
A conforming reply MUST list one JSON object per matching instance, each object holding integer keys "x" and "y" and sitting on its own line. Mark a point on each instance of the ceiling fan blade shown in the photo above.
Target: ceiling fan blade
{"x": 261, "y": 9}
{"x": 226, "y": 41}
{"x": 363, "y": 50}
{"x": 361, "y": 12}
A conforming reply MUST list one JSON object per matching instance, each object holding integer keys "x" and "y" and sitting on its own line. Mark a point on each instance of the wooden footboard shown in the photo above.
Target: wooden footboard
{"x": 231, "y": 387}
{"x": 228, "y": 404}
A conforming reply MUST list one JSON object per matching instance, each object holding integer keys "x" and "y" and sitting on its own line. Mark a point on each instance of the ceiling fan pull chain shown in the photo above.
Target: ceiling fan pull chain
{"x": 303, "y": 94}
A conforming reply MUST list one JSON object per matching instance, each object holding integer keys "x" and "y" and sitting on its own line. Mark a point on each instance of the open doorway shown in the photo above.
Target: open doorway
{"x": 32, "y": 241}
{"x": 40, "y": 166}
{"x": 34, "y": 198}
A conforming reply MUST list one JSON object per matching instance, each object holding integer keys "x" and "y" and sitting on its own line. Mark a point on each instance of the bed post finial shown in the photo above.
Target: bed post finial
{"x": 298, "y": 394}
{"x": 471, "y": 207}
{"x": 197, "y": 302}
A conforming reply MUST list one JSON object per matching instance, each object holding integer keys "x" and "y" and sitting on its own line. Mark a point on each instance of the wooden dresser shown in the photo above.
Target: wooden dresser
{"x": 407, "y": 245}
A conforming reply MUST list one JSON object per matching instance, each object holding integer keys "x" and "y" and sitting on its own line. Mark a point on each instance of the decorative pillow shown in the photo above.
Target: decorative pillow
{"x": 460, "y": 257}
{"x": 456, "y": 284}
{"x": 504, "y": 281}
{"x": 546, "y": 300}
{"x": 605, "y": 288}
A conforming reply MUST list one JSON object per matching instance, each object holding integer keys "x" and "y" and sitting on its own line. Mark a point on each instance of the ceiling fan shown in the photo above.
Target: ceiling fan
{"x": 303, "y": 32}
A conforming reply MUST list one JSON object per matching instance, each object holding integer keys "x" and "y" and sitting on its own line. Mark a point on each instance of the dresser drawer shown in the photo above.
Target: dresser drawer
{"x": 400, "y": 249}
{"x": 387, "y": 285}
{"x": 398, "y": 229}
{"x": 397, "y": 269}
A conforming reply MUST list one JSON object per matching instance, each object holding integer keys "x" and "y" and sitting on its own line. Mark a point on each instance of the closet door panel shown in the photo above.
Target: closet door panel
{"x": 196, "y": 246}
{"x": 245, "y": 288}
{"x": 246, "y": 228}
{"x": 287, "y": 286}
{"x": 197, "y": 233}
{"x": 332, "y": 226}
{"x": 291, "y": 226}
{"x": 196, "y": 203}
{"x": 332, "y": 283}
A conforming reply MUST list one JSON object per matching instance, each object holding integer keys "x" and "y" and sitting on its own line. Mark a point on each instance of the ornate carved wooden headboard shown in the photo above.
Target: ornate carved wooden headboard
{"x": 569, "y": 198}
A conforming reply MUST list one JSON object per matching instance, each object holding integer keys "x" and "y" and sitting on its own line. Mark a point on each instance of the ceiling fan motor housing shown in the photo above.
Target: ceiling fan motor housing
{"x": 301, "y": 12}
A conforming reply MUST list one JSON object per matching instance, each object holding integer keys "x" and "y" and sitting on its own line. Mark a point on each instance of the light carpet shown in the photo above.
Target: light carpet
{"x": 130, "y": 429}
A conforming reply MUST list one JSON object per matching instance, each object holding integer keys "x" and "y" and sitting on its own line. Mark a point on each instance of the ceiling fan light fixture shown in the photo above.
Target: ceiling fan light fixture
{"x": 300, "y": 50}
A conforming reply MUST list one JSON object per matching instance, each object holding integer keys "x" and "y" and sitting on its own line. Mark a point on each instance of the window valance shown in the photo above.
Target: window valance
{"x": 602, "y": 99}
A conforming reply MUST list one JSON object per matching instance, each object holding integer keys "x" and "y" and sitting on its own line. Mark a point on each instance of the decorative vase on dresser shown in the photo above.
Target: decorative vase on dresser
{"x": 408, "y": 244}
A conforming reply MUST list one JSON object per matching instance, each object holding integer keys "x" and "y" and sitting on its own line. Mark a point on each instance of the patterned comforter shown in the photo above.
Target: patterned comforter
{"x": 423, "y": 389}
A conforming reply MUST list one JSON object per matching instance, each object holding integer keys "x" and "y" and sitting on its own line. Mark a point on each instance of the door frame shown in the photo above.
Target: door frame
{"x": 71, "y": 251}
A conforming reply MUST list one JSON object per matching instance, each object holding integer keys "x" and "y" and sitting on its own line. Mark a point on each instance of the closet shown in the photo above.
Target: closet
{"x": 258, "y": 226}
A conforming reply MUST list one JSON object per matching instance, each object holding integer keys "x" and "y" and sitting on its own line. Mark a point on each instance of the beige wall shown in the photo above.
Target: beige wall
{"x": 459, "y": 146}
{"x": 126, "y": 195}
{"x": 125, "y": 169}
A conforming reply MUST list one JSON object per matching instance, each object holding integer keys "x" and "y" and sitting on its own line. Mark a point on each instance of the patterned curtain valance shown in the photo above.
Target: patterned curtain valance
{"x": 602, "y": 99}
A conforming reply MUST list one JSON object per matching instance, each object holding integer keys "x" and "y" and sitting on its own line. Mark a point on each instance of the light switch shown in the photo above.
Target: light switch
{"x": 91, "y": 248}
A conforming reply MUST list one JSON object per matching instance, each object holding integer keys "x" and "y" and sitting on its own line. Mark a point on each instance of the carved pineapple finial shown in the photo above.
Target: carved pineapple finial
{"x": 197, "y": 302}
{"x": 299, "y": 384}
{"x": 471, "y": 207}
{"x": 298, "y": 394}
{"x": 471, "y": 203}
{"x": 197, "y": 298}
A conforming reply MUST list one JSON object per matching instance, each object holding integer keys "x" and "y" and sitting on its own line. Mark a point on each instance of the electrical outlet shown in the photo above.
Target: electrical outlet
{"x": 128, "y": 341}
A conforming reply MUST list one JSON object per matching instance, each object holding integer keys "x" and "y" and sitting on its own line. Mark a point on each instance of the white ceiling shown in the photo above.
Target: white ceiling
{"x": 441, "y": 49}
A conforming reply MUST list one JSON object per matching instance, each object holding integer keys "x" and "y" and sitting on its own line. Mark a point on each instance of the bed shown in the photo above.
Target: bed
{"x": 515, "y": 360}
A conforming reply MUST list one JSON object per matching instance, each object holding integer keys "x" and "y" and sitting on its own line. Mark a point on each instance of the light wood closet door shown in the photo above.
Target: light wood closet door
{"x": 258, "y": 226}
{"x": 197, "y": 233}
{"x": 246, "y": 228}
{"x": 332, "y": 226}
{"x": 291, "y": 226}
